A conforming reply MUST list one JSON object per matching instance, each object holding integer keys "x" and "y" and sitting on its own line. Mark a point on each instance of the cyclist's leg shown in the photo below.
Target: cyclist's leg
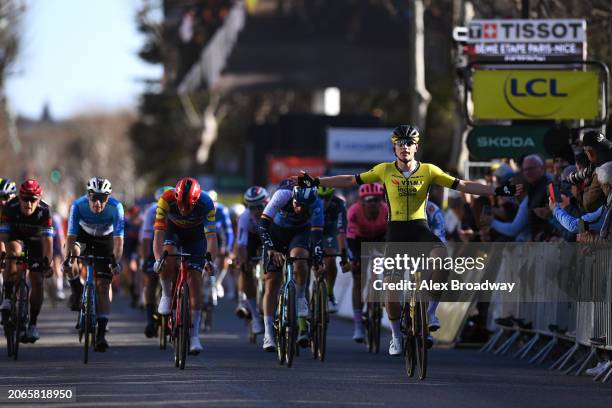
{"x": 36, "y": 288}
{"x": 298, "y": 248}
{"x": 395, "y": 233}
{"x": 103, "y": 247}
{"x": 167, "y": 276}
{"x": 150, "y": 279}
{"x": 273, "y": 279}
{"x": 193, "y": 246}
{"x": 354, "y": 246}
{"x": 9, "y": 275}
{"x": 74, "y": 272}
{"x": 247, "y": 281}
{"x": 330, "y": 243}
{"x": 439, "y": 275}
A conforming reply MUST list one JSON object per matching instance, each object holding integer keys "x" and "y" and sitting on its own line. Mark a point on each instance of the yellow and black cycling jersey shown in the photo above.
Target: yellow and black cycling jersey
{"x": 407, "y": 196}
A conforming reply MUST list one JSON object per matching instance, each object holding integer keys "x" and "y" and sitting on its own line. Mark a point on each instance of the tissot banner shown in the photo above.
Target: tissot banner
{"x": 535, "y": 94}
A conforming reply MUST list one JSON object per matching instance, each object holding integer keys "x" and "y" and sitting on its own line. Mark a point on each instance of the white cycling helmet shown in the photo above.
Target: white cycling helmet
{"x": 213, "y": 195}
{"x": 7, "y": 187}
{"x": 99, "y": 185}
{"x": 255, "y": 195}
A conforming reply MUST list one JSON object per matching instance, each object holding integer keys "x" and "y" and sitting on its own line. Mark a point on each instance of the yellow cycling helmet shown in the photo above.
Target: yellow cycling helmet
{"x": 325, "y": 192}
{"x": 407, "y": 133}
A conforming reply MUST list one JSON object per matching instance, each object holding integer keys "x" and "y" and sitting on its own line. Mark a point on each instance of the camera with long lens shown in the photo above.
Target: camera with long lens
{"x": 578, "y": 176}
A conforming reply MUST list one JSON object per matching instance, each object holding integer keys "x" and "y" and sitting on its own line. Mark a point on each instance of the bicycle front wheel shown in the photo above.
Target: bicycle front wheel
{"x": 184, "y": 327}
{"x": 314, "y": 322}
{"x": 421, "y": 334}
{"x": 163, "y": 327}
{"x": 292, "y": 325}
{"x": 322, "y": 320}
{"x": 281, "y": 324}
{"x": 21, "y": 316}
{"x": 88, "y": 329}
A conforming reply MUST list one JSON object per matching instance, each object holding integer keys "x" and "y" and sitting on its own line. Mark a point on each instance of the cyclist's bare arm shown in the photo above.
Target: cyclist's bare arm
{"x": 118, "y": 247}
{"x": 472, "y": 187}
{"x": 211, "y": 240}
{"x": 342, "y": 181}
{"x": 47, "y": 248}
{"x": 158, "y": 243}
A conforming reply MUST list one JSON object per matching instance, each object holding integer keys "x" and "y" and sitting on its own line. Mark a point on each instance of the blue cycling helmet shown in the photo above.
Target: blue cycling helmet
{"x": 161, "y": 190}
{"x": 304, "y": 196}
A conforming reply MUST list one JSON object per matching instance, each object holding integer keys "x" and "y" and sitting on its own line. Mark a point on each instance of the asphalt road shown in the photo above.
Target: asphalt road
{"x": 232, "y": 372}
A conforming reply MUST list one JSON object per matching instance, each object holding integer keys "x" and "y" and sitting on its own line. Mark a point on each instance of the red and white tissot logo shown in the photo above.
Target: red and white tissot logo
{"x": 490, "y": 30}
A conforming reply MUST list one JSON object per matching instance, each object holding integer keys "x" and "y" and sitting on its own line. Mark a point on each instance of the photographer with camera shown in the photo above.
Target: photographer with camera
{"x": 598, "y": 149}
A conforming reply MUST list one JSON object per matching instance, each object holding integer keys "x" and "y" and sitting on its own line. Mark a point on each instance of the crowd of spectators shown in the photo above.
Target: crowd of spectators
{"x": 581, "y": 178}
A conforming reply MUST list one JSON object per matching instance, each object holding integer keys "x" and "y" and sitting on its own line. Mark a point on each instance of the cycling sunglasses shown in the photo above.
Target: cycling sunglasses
{"x": 256, "y": 207}
{"x": 371, "y": 199}
{"x": 29, "y": 199}
{"x": 404, "y": 142}
{"x": 101, "y": 198}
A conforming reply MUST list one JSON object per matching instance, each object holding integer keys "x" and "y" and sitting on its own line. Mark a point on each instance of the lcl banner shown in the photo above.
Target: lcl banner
{"x": 535, "y": 94}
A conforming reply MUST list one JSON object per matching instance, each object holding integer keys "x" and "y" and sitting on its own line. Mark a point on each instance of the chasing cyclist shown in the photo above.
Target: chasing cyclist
{"x": 147, "y": 260}
{"x": 26, "y": 224}
{"x": 406, "y": 182}
{"x": 291, "y": 223}
{"x": 95, "y": 227}
{"x": 334, "y": 240}
{"x": 8, "y": 189}
{"x": 248, "y": 246}
{"x": 185, "y": 219}
{"x": 367, "y": 222}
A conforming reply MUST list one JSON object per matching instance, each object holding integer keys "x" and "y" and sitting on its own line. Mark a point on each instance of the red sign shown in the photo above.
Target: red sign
{"x": 280, "y": 168}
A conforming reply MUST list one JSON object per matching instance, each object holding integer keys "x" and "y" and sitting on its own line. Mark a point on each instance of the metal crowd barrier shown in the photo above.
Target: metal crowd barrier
{"x": 568, "y": 334}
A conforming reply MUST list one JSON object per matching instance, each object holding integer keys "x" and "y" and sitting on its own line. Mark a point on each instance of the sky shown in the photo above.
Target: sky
{"x": 78, "y": 55}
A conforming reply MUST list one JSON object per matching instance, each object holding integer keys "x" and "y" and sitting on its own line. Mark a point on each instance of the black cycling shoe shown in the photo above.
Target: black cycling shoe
{"x": 303, "y": 340}
{"x": 74, "y": 302}
{"x": 242, "y": 312}
{"x": 101, "y": 345}
{"x": 150, "y": 330}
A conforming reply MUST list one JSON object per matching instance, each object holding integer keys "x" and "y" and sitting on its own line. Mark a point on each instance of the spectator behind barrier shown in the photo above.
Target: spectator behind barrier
{"x": 533, "y": 211}
{"x": 604, "y": 178}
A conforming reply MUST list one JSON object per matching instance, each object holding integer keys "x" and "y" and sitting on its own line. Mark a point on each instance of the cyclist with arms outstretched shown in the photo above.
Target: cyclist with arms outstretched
{"x": 406, "y": 183}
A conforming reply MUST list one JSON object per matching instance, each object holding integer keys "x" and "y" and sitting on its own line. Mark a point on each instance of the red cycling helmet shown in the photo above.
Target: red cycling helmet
{"x": 187, "y": 193}
{"x": 370, "y": 190}
{"x": 30, "y": 187}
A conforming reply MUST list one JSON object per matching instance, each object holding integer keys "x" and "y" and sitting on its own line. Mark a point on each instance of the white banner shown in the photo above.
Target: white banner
{"x": 359, "y": 145}
{"x": 527, "y": 31}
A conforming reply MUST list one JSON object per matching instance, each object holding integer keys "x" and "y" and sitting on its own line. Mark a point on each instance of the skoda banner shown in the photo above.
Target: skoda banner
{"x": 535, "y": 94}
{"x": 359, "y": 145}
{"x": 495, "y": 142}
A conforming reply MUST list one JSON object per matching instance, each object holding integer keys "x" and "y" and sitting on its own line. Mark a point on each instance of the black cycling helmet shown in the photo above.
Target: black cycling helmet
{"x": 408, "y": 133}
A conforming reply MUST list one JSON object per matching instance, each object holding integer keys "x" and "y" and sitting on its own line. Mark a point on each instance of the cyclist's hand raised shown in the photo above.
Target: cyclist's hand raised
{"x": 305, "y": 180}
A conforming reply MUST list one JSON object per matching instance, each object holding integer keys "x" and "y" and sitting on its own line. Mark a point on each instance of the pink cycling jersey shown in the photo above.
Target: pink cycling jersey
{"x": 362, "y": 227}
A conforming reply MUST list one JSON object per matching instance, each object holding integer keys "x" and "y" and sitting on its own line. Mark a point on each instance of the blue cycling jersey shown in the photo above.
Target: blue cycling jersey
{"x": 280, "y": 210}
{"x": 435, "y": 220}
{"x": 109, "y": 221}
{"x": 224, "y": 224}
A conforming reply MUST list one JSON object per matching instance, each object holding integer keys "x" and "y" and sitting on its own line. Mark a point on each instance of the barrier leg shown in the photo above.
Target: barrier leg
{"x": 492, "y": 341}
{"x": 506, "y": 346}
{"x": 569, "y": 355}
{"x": 605, "y": 379}
{"x": 544, "y": 351}
{"x": 586, "y": 361}
{"x": 561, "y": 359}
{"x": 526, "y": 347}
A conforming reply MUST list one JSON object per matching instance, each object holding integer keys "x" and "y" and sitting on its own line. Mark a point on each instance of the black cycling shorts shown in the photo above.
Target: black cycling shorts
{"x": 97, "y": 246}
{"x": 411, "y": 231}
{"x": 33, "y": 246}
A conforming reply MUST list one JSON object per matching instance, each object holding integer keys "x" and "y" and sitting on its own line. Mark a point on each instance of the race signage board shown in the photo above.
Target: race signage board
{"x": 359, "y": 145}
{"x": 495, "y": 142}
{"x": 535, "y": 94}
{"x": 551, "y": 40}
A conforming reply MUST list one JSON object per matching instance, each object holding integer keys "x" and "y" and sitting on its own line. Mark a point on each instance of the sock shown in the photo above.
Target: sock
{"x": 150, "y": 310}
{"x": 102, "y": 323}
{"x": 60, "y": 284}
{"x": 34, "y": 315}
{"x": 76, "y": 285}
{"x": 166, "y": 286}
{"x": 300, "y": 291}
{"x": 8, "y": 289}
{"x": 396, "y": 330}
{"x": 302, "y": 324}
{"x": 433, "y": 305}
{"x": 269, "y": 326}
{"x": 358, "y": 318}
{"x": 252, "y": 303}
{"x": 196, "y": 317}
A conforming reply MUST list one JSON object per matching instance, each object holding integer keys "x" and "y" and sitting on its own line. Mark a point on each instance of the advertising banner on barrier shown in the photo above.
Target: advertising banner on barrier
{"x": 535, "y": 94}
{"x": 359, "y": 145}
{"x": 280, "y": 168}
{"x": 494, "y": 142}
